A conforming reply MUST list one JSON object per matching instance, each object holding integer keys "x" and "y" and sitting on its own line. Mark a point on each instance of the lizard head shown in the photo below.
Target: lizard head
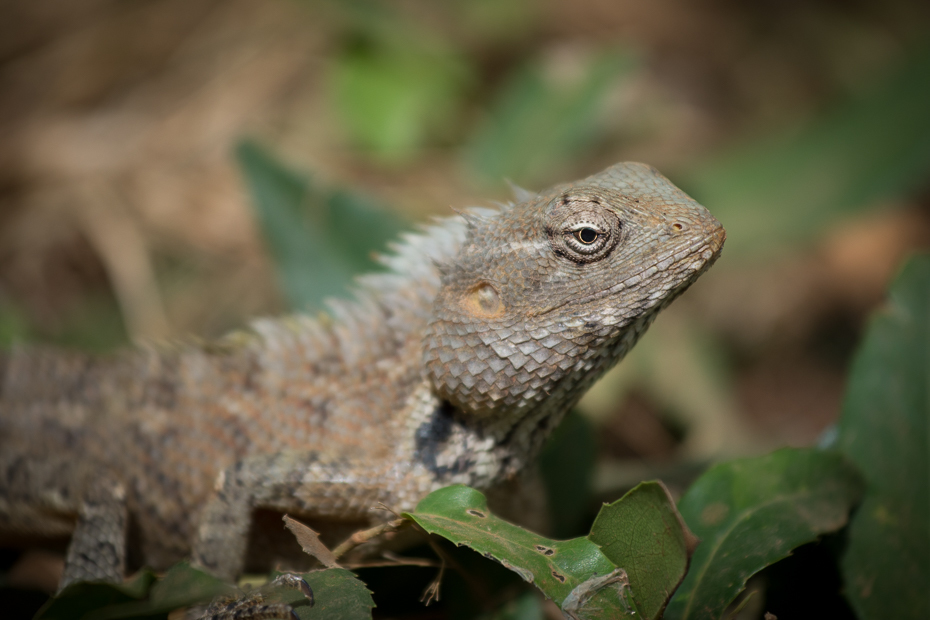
{"x": 547, "y": 294}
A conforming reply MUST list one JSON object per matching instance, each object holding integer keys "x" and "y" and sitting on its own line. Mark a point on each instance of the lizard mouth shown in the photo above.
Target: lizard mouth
{"x": 717, "y": 240}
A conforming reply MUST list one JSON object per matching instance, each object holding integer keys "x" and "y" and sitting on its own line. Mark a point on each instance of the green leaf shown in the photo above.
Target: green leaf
{"x": 750, "y": 513}
{"x": 884, "y": 430}
{"x": 639, "y": 539}
{"x": 145, "y": 596}
{"x": 84, "y": 597}
{"x": 790, "y": 186}
{"x": 460, "y": 514}
{"x": 318, "y": 239}
{"x": 182, "y": 586}
{"x": 539, "y": 122}
{"x": 338, "y": 595}
{"x": 643, "y": 533}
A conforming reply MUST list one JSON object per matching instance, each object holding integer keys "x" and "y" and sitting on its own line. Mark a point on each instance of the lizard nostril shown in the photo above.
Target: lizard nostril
{"x": 678, "y": 227}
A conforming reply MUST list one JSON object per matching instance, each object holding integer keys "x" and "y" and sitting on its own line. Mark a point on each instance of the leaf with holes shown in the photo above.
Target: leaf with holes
{"x": 461, "y": 515}
{"x": 639, "y": 539}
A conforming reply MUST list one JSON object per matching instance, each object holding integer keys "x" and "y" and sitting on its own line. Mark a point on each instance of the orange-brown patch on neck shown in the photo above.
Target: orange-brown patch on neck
{"x": 483, "y": 301}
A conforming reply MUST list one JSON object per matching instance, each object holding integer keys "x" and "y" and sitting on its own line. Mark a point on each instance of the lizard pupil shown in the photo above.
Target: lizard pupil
{"x": 586, "y": 235}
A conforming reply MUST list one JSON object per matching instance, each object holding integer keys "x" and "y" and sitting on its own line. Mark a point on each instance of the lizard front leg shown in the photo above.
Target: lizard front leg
{"x": 302, "y": 483}
{"x": 98, "y": 546}
{"x": 40, "y": 496}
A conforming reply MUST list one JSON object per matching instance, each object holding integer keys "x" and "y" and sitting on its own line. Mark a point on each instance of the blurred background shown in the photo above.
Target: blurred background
{"x": 172, "y": 167}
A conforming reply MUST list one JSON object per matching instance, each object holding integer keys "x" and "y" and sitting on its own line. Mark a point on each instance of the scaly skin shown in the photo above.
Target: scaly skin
{"x": 453, "y": 367}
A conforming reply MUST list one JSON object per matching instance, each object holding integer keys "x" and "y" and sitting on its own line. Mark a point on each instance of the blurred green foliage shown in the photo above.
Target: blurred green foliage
{"x": 484, "y": 92}
{"x": 13, "y": 325}
{"x": 540, "y": 121}
{"x": 397, "y": 92}
{"x": 788, "y": 187}
{"x": 400, "y": 92}
{"x": 885, "y": 430}
{"x": 318, "y": 238}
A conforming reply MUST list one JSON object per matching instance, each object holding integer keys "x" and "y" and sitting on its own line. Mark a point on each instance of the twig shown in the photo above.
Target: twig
{"x": 363, "y": 536}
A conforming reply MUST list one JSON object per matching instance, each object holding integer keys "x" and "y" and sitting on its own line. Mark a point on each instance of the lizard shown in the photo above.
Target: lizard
{"x": 451, "y": 366}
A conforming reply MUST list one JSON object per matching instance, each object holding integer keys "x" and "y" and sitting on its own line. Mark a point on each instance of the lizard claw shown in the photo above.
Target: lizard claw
{"x": 294, "y": 582}
{"x": 304, "y": 587}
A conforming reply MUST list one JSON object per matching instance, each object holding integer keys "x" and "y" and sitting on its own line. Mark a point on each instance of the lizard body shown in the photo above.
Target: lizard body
{"x": 454, "y": 366}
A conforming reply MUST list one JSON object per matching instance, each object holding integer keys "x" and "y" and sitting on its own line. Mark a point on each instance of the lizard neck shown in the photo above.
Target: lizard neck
{"x": 456, "y": 446}
{"x": 449, "y": 447}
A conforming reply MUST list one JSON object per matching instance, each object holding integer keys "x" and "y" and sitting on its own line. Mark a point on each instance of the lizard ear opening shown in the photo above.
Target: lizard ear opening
{"x": 483, "y": 301}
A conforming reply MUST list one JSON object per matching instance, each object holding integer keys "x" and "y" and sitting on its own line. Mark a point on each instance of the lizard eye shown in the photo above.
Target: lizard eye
{"x": 583, "y": 230}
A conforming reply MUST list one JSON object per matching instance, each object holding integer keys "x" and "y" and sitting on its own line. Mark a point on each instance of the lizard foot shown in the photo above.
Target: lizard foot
{"x": 252, "y": 605}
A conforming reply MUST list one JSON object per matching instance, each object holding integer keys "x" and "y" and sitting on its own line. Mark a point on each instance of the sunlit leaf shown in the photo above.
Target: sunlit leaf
{"x": 461, "y": 515}
{"x": 636, "y": 554}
